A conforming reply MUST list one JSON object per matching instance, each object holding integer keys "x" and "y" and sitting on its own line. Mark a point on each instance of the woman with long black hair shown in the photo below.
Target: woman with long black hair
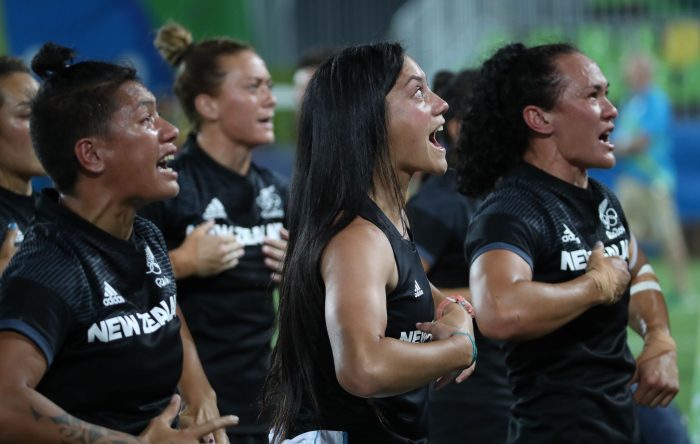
{"x": 354, "y": 356}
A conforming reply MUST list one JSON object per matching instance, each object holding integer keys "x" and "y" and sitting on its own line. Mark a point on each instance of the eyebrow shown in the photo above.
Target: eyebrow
{"x": 414, "y": 77}
{"x": 146, "y": 103}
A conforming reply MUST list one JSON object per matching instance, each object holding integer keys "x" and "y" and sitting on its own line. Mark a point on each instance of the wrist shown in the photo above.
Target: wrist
{"x": 444, "y": 306}
{"x": 596, "y": 287}
{"x": 472, "y": 345}
{"x": 182, "y": 265}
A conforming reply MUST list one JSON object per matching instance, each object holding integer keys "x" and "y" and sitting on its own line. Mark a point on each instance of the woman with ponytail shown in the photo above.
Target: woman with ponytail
{"x": 357, "y": 348}
{"x": 91, "y": 344}
{"x": 225, "y": 230}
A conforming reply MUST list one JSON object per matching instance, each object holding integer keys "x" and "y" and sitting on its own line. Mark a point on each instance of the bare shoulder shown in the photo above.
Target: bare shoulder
{"x": 360, "y": 245}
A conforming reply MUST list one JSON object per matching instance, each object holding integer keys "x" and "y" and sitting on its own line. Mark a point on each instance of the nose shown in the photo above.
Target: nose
{"x": 609, "y": 110}
{"x": 269, "y": 99}
{"x": 440, "y": 106}
{"x": 167, "y": 132}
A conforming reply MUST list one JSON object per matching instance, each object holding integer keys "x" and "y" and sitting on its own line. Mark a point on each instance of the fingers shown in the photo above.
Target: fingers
{"x": 284, "y": 234}
{"x": 464, "y": 374}
{"x": 425, "y": 327}
{"x": 213, "y": 425}
{"x": 171, "y": 411}
{"x": 204, "y": 227}
{"x": 220, "y": 437}
{"x": 8, "y": 245}
{"x": 274, "y": 249}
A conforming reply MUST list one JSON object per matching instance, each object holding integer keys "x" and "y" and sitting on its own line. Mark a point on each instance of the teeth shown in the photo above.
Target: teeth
{"x": 169, "y": 157}
{"x": 439, "y": 129}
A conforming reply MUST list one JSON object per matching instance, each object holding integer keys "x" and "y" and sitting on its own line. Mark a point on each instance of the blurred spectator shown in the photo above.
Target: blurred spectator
{"x": 646, "y": 183}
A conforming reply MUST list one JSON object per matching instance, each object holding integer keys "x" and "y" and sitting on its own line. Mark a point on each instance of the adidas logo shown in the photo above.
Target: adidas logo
{"x": 215, "y": 210}
{"x": 569, "y": 236}
{"x": 111, "y": 296}
{"x": 418, "y": 292}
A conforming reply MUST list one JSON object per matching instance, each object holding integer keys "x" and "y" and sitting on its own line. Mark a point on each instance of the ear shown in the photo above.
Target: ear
{"x": 89, "y": 156}
{"x": 538, "y": 120}
{"x": 207, "y": 106}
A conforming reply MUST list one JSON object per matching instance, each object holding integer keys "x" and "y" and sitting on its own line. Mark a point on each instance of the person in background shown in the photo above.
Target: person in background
{"x": 92, "y": 347}
{"x": 554, "y": 269}
{"x": 646, "y": 184}
{"x": 225, "y": 230}
{"x": 439, "y": 216}
{"x": 18, "y": 163}
{"x": 646, "y": 174}
{"x": 357, "y": 348}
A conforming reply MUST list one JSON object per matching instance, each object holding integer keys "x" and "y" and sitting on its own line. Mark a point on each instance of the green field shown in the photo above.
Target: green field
{"x": 684, "y": 327}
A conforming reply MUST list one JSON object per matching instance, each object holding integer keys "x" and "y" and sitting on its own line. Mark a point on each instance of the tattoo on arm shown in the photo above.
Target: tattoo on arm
{"x": 74, "y": 431}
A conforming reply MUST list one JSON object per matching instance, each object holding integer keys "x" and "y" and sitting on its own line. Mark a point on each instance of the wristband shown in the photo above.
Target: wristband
{"x": 665, "y": 344}
{"x": 456, "y": 299}
{"x": 471, "y": 339}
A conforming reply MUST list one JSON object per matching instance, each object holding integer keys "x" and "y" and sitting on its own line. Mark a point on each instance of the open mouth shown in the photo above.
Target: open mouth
{"x": 433, "y": 138}
{"x": 266, "y": 120}
{"x": 163, "y": 162}
{"x": 605, "y": 137}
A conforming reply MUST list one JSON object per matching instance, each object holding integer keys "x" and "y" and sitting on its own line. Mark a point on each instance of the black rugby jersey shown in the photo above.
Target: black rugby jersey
{"x": 570, "y": 385}
{"x": 439, "y": 217}
{"x": 15, "y": 208}
{"x": 230, "y": 315}
{"x": 403, "y": 417}
{"x": 102, "y": 311}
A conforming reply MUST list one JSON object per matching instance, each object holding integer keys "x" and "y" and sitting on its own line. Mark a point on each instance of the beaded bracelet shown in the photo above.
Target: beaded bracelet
{"x": 454, "y": 299}
{"x": 471, "y": 339}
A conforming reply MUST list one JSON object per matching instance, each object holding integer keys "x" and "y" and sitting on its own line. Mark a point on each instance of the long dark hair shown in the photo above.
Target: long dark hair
{"x": 342, "y": 157}
{"x": 494, "y": 135}
{"x": 74, "y": 101}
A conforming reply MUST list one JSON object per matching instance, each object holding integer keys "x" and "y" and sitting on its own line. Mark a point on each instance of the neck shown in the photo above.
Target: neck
{"x": 226, "y": 152}
{"x": 101, "y": 210}
{"x": 385, "y": 200}
{"x": 551, "y": 161}
{"x": 14, "y": 183}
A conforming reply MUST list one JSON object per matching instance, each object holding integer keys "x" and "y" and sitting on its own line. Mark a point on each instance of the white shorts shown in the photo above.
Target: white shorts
{"x": 318, "y": 437}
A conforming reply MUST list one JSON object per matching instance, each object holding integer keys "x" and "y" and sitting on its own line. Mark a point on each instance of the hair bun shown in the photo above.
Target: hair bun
{"x": 51, "y": 59}
{"x": 173, "y": 41}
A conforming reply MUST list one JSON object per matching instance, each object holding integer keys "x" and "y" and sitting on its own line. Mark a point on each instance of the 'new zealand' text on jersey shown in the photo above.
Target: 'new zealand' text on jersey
{"x": 230, "y": 315}
{"x": 440, "y": 217}
{"x": 102, "y": 311}
{"x": 570, "y": 385}
{"x": 15, "y": 208}
{"x": 400, "y": 419}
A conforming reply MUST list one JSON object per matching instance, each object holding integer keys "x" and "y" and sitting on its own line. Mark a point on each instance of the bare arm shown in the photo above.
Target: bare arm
{"x": 657, "y": 370}
{"x": 358, "y": 269}
{"x": 511, "y": 306}
{"x": 28, "y": 416}
{"x": 197, "y": 393}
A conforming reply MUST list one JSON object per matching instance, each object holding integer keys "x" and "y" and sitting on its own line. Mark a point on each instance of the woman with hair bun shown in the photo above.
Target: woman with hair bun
{"x": 225, "y": 229}
{"x": 18, "y": 163}
{"x": 91, "y": 343}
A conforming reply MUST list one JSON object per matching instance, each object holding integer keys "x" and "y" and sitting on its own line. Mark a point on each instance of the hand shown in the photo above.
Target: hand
{"x": 8, "y": 248}
{"x": 196, "y": 413}
{"x": 657, "y": 371}
{"x": 159, "y": 430}
{"x": 442, "y": 331}
{"x": 610, "y": 274}
{"x": 274, "y": 251}
{"x": 203, "y": 255}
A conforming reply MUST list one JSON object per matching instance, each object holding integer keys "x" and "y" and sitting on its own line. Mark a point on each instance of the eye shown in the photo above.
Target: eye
{"x": 420, "y": 93}
{"x": 150, "y": 118}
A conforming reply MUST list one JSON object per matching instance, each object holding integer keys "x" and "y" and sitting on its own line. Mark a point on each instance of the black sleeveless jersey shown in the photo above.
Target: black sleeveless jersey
{"x": 440, "y": 217}
{"x": 18, "y": 209}
{"x": 571, "y": 384}
{"x": 231, "y": 315}
{"x": 394, "y": 419}
{"x": 102, "y": 311}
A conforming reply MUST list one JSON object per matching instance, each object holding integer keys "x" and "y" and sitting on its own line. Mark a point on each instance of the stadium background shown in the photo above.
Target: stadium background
{"x": 439, "y": 34}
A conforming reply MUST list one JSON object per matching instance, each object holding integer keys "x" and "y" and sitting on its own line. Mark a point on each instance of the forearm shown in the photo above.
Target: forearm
{"x": 194, "y": 384}
{"x": 27, "y": 416}
{"x": 390, "y": 366}
{"x": 527, "y": 309}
